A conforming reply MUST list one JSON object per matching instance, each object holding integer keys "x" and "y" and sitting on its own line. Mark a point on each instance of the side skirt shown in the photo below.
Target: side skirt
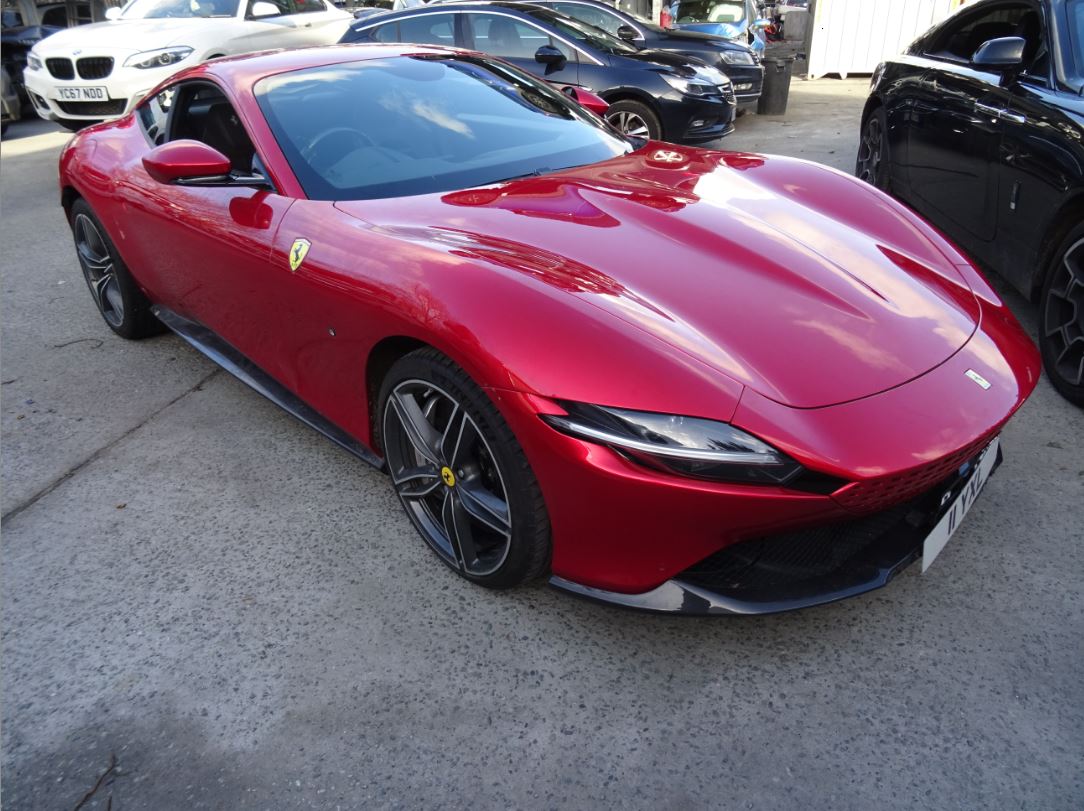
{"x": 211, "y": 345}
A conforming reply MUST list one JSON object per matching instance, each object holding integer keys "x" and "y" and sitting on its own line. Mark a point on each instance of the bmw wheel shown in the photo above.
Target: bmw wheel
{"x": 460, "y": 474}
{"x": 872, "y": 163}
{"x": 120, "y": 301}
{"x": 1061, "y": 318}
{"x": 634, "y": 119}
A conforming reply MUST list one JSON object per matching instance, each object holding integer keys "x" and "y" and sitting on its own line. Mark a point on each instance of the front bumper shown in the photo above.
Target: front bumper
{"x": 691, "y": 119}
{"x": 798, "y": 569}
{"x": 748, "y": 81}
{"x": 125, "y": 88}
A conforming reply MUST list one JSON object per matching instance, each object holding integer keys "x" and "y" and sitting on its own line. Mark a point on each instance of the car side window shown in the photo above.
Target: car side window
{"x": 959, "y": 39}
{"x": 428, "y": 29}
{"x": 154, "y": 116}
{"x": 499, "y": 35}
{"x": 590, "y": 15}
{"x": 203, "y": 113}
{"x": 387, "y": 33}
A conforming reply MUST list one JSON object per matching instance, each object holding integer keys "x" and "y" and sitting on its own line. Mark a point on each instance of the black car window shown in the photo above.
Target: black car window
{"x": 57, "y": 16}
{"x": 583, "y": 34}
{"x": 428, "y": 29}
{"x": 386, "y": 33}
{"x": 1076, "y": 32}
{"x": 590, "y": 15}
{"x": 501, "y": 35}
{"x": 153, "y": 115}
{"x": 961, "y": 37}
{"x": 415, "y": 125}
{"x": 203, "y": 113}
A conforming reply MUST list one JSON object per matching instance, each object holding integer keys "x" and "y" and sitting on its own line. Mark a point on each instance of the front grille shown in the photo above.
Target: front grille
{"x": 111, "y": 107}
{"x": 795, "y": 557}
{"x": 874, "y": 494}
{"x": 94, "y": 67}
{"x": 60, "y": 68}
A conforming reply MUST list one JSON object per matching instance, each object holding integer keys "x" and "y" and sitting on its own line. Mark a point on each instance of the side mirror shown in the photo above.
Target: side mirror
{"x": 585, "y": 98}
{"x": 193, "y": 163}
{"x": 261, "y": 8}
{"x": 112, "y": 13}
{"x": 550, "y": 57}
{"x": 1003, "y": 53}
{"x": 627, "y": 33}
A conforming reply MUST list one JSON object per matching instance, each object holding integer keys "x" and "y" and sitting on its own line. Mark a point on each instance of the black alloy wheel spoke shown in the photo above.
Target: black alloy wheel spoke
{"x": 458, "y": 527}
{"x": 485, "y": 507}
{"x": 421, "y": 434}
{"x": 99, "y": 269}
{"x": 417, "y": 482}
{"x": 452, "y": 437}
{"x": 1065, "y": 315}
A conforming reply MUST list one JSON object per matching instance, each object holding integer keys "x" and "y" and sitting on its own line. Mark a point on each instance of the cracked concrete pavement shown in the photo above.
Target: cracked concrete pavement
{"x": 236, "y": 609}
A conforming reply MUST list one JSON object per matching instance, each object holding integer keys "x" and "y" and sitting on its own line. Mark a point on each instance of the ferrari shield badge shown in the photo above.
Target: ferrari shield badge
{"x": 298, "y": 251}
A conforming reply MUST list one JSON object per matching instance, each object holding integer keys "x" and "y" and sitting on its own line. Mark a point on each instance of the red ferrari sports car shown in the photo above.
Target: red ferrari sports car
{"x": 668, "y": 378}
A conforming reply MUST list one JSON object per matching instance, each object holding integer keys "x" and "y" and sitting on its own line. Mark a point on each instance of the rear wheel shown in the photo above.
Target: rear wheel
{"x": 635, "y": 119}
{"x": 872, "y": 163}
{"x": 460, "y": 474}
{"x": 120, "y": 301}
{"x": 1061, "y": 318}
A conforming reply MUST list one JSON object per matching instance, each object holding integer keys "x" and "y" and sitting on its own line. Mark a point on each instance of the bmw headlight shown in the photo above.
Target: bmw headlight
{"x": 689, "y": 446}
{"x": 159, "y": 58}
{"x": 33, "y": 62}
{"x": 738, "y": 57}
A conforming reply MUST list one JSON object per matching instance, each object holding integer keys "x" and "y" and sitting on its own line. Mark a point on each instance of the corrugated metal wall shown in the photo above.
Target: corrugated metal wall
{"x": 853, "y": 36}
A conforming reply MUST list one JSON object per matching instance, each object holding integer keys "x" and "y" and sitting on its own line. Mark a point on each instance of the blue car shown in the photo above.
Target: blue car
{"x": 733, "y": 19}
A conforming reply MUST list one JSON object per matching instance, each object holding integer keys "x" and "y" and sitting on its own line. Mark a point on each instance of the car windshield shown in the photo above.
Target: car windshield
{"x": 1076, "y": 33}
{"x": 422, "y": 124}
{"x": 158, "y": 9}
{"x": 708, "y": 11}
{"x": 582, "y": 33}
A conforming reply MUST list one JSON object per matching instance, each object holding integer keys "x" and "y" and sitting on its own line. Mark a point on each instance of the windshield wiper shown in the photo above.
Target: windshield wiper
{"x": 545, "y": 170}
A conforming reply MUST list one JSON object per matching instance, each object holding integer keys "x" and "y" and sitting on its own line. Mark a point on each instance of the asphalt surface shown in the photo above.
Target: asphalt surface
{"x": 204, "y": 592}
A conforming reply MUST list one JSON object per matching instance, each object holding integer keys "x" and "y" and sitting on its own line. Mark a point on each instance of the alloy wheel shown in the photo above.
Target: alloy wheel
{"x": 871, "y": 151}
{"x": 629, "y": 123}
{"x": 447, "y": 477}
{"x": 1064, "y": 316}
{"x": 99, "y": 269}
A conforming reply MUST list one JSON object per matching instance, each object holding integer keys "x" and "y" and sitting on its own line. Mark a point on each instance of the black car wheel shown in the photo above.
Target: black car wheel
{"x": 872, "y": 163}
{"x": 1061, "y": 328}
{"x": 635, "y": 119}
{"x": 120, "y": 301}
{"x": 460, "y": 474}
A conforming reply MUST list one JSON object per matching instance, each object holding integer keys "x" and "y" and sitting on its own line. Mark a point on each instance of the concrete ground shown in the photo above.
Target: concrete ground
{"x": 204, "y": 592}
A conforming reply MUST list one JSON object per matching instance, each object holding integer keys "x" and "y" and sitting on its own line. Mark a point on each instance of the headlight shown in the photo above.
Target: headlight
{"x": 688, "y": 446}
{"x": 160, "y": 58}
{"x": 33, "y": 62}
{"x": 738, "y": 57}
{"x": 705, "y": 81}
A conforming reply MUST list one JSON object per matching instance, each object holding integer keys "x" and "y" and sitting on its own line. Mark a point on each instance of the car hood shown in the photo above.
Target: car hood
{"x": 138, "y": 35}
{"x": 679, "y": 35}
{"x": 793, "y": 279}
{"x": 668, "y": 59}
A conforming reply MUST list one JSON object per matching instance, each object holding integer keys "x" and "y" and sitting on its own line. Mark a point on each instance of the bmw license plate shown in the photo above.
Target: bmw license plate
{"x": 82, "y": 93}
{"x": 952, "y": 519}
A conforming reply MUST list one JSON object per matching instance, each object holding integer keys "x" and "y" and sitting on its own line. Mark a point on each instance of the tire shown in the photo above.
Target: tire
{"x": 460, "y": 474}
{"x": 872, "y": 163}
{"x": 75, "y": 124}
{"x": 634, "y": 118}
{"x": 1061, "y": 318}
{"x": 120, "y": 301}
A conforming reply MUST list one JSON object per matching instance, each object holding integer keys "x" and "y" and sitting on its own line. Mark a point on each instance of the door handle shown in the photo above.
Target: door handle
{"x": 1001, "y": 113}
{"x": 986, "y": 109}
{"x": 1015, "y": 118}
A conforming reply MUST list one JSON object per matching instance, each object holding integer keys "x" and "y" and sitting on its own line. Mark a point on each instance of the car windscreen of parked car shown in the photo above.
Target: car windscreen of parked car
{"x": 161, "y": 9}
{"x": 1076, "y": 32}
{"x": 582, "y": 33}
{"x": 393, "y": 128}
{"x": 709, "y": 11}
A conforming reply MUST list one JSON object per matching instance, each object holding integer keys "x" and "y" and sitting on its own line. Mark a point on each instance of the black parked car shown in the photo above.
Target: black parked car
{"x": 737, "y": 61}
{"x": 979, "y": 125}
{"x": 652, "y": 94}
{"x": 16, "y": 40}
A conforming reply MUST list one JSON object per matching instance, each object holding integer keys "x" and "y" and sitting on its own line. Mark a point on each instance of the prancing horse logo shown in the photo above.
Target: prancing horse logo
{"x": 298, "y": 251}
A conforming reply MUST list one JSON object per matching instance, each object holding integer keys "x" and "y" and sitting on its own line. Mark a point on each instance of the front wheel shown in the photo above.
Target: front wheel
{"x": 872, "y": 163}
{"x": 460, "y": 474}
{"x": 1061, "y": 318}
{"x": 634, "y": 119}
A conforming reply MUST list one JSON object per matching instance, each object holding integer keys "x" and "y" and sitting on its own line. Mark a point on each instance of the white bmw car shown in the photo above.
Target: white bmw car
{"x": 101, "y": 71}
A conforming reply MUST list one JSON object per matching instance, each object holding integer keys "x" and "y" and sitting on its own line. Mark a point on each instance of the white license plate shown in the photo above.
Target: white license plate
{"x": 82, "y": 93}
{"x": 952, "y": 519}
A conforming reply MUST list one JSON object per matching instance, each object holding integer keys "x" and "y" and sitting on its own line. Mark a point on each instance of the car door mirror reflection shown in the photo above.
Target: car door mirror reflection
{"x": 627, "y": 33}
{"x": 551, "y": 57}
{"x": 1003, "y": 53}
{"x": 193, "y": 163}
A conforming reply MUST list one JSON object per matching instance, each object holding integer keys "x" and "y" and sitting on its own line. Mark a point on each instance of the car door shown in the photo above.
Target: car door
{"x": 517, "y": 41}
{"x": 205, "y": 250}
{"x": 954, "y": 139}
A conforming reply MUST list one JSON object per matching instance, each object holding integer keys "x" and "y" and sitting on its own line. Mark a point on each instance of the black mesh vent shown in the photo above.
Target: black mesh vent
{"x": 94, "y": 67}
{"x": 60, "y": 68}
{"x": 111, "y": 107}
